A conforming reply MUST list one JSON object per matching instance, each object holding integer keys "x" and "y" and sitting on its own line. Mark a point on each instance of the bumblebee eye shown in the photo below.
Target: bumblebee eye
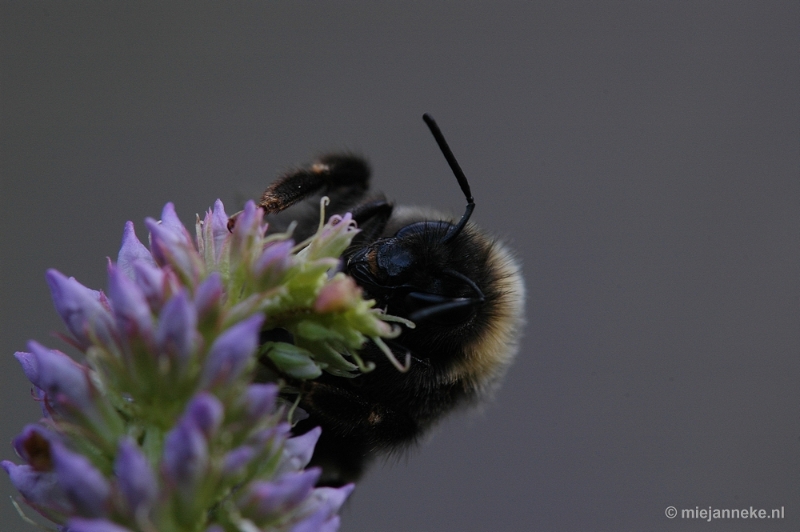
{"x": 394, "y": 259}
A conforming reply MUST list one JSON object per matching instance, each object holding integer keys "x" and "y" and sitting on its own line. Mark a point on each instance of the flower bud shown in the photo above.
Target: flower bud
{"x": 176, "y": 331}
{"x": 297, "y": 451}
{"x": 84, "y": 486}
{"x": 260, "y": 400}
{"x": 130, "y": 307}
{"x": 81, "y": 309}
{"x": 40, "y": 489}
{"x": 273, "y": 262}
{"x": 185, "y": 458}
{"x": 33, "y": 446}
{"x": 340, "y": 294}
{"x": 231, "y": 352}
{"x": 132, "y": 251}
{"x": 135, "y": 477}
{"x": 206, "y": 412}
{"x": 65, "y": 383}
{"x": 266, "y": 499}
{"x": 78, "y": 524}
{"x": 208, "y": 296}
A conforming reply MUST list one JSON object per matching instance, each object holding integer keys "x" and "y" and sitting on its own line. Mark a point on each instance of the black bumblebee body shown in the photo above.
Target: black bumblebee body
{"x": 461, "y": 288}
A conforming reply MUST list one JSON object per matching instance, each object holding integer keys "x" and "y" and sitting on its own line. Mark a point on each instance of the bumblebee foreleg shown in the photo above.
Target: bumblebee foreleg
{"x": 334, "y": 175}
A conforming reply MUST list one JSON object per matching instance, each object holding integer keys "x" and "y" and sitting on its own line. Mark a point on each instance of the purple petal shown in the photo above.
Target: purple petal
{"x": 177, "y": 326}
{"x": 33, "y": 446}
{"x": 297, "y": 451}
{"x": 130, "y": 306}
{"x": 260, "y": 400}
{"x": 333, "y": 498}
{"x": 231, "y": 352}
{"x": 322, "y": 520}
{"x": 236, "y": 460}
{"x": 30, "y": 366}
{"x": 135, "y": 477}
{"x": 276, "y": 259}
{"x": 248, "y": 221}
{"x": 77, "y": 524}
{"x": 265, "y": 499}
{"x": 132, "y": 251}
{"x": 219, "y": 228}
{"x": 81, "y": 309}
{"x": 169, "y": 218}
{"x": 64, "y": 381}
{"x": 209, "y": 294}
{"x": 171, "y": 244}
{"x": 185, "y": 458}
{"x": 151, "y": 281}
{"x": 323, "y": 504}
{"x": 40, "y": 489}
{"x": 206, "y": 412}
{"x": 84, "y": 486}
{"x": 273, "y": 436}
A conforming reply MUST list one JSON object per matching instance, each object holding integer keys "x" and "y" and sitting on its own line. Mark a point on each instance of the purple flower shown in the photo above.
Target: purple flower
{"x": 132, "y": 251}
{"x": 84, "y": 486}
{"x": 176, "y": 329}
{"x": 78, "y": 524}
{"x": 185, "y": 459}
{"x": 209, "y": 295}
{"x": 206, "y": 412}
{"x": 321, "y": 508}
{"x": 323, "y": 520}
{"x": 236, "y": 460}
{"x": 65, "y": 383}
{"x": 248, "y": 226}
{"x": 219, "y": 229}
{"x": 33, "y": 446}
{"x": 267, "y": 499}
{"x": 40, "y": 490}
{"x": 130, "y": 305}
{"x": 260, "y": 400}
{"x": 171, "y": 244}
{"x": 152, "y": 281}
{"x": 162, "y": 428}
{"x": 81, "y": 309}
{"x": 231, "y": 352}
{"x": 298, "y": 450}
{"x": 185, "y": 456}
{"x": 273, "y": 262}
{"x": 135, "y": 477}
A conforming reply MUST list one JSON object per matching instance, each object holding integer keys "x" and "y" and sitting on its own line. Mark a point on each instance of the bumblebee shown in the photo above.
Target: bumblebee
{"x": 462, "y": 289}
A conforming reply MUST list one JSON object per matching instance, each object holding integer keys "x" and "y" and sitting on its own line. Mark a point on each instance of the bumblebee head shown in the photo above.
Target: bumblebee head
{"x": 419, "y": 274}
{"x": 415, "y": 273}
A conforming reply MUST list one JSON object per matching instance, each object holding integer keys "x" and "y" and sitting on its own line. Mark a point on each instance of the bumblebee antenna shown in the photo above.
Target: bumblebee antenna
{"x": 462, "y": 179}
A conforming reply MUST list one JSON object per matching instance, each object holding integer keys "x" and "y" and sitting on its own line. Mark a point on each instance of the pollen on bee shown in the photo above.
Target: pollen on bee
{"x": 319, "y": 168}
{"x": 372, "y": 261}
{"x": 374, "y": 418}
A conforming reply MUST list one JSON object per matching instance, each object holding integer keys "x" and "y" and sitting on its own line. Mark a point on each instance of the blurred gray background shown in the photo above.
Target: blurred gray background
{"x": 642, "y": 157}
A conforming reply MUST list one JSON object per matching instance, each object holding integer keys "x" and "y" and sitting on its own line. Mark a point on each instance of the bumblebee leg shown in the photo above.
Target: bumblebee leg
{"x": 371, "y": 218}
{"x": 334, "y": 174}
{"x": 353, "y": 430}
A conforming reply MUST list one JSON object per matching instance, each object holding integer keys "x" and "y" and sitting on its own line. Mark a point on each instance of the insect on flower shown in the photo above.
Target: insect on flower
{"x": 458, "y": 291}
